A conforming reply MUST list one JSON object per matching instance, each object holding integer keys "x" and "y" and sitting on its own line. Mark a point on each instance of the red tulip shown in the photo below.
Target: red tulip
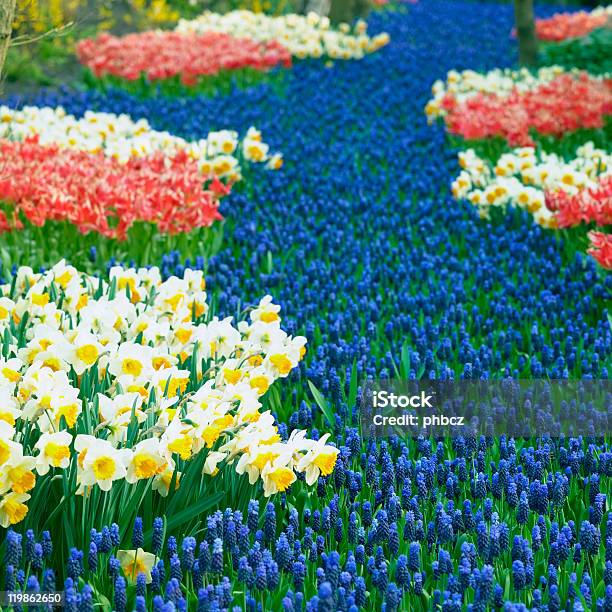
{"x": 592, "y": 205}
{"x": 601, "y": 249}
{"x": 569, "y": 25}
{"x": 161, "y": 55}
{"x": 567, "y": 103}
{"x": 98, "y": 194}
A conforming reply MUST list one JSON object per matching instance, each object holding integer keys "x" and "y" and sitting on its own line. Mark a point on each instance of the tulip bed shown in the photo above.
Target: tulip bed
{"x": 572, "y": 25}
{"x": 558, "y": 174}
{"x": 107, "y": 183}
{"x": 216, "y": 52}
{"x": 164, "y": 58}
{"x": 514, "y": 104}
{"x": 582, "y": 39}
{"x": 371, "y": 246}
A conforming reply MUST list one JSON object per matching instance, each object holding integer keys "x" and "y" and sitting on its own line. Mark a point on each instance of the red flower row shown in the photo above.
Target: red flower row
{"x": 99, "y": 194}
{"x": 587, "y": 206}
{"x": 567, "y": 103}
{"x": 592, "y": 205}
{"x": 569, "y": 25}
{"x": 161, "y": 55}
{"x": 601, "y": 249}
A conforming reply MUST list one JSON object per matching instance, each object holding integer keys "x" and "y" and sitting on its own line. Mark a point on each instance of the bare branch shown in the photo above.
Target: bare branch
{"x": 56, "y": 32}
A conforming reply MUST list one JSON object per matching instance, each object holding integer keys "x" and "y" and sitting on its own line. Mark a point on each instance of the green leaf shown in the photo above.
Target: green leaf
{"x": 192, "y": 512}
{"x": 405, "y": 362}
{"x": 352, "y": 398}
{"x": 103, "y": 602}
{"x": 322, "y": 403}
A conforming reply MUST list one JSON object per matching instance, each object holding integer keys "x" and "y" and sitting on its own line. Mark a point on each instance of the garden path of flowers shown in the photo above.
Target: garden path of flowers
{"x": 361, "y": 242}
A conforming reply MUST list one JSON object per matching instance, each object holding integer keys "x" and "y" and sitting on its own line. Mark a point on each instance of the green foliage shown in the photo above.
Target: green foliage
{"x": 592, "y": 53}
{"x": 41, "y": 64}
{"x": 44, "y": 246}
{"x": 223, "y": 82}
{"x": 565, "y": 146}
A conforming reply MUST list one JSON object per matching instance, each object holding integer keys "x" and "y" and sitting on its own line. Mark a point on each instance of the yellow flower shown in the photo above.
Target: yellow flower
{"x": 131, "y": 360}
{"x": 86, "y": 351}
{"x": 102, "y": 463}
{"x": 135, "y": 562}
{"x": 9, "y": 408}
{"x": 70, "y": 412}
{"x": 163, "y": 362}
{"x": 326, "y": 462}
{"x": 261, "y": 383}
{"x": 13, "y": 509}
{"x": 281, "y": 363}
{"x": 182, "y": 446}
{"x": 277, "y": 476}
{"x": 133, "y": 367}
{"x": 183, "y": 334}
{"x": 11, "y": 375}
{"x": 19, "y": 474}
{"x": 135, "y": 351}
{"x": 146, "y": 461}
{"x": 232, "y": 376}
{"x": 212, "y": 459}
{"x": 266, "y": 311}
{"x": 40, "y": 299}
{"x": 7, "y": 447}
{"x": 163, "y": 481}
{"x": 319, "y": 459}
{"x": 54, "y": 451}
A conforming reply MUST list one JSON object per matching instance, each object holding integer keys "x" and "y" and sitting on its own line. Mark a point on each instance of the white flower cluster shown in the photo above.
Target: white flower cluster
{"x": 131, "y": 380}
{"x": 602, "y": 10}
{"x": 122, "y": 138}
{"x": 460, "y": 86}
{"x": 521, "y": 178}
{"x": 303, "y": 36}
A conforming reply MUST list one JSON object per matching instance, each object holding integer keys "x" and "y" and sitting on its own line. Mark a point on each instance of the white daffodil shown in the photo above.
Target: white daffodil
{"x": 53, "y": 451}
{"x": 100, "y": 462}
{"x": 135, "y": 562}
{"x": 319, "y": 459}
{"x": 302, "y": 35}
{"x": 147, "y": 460}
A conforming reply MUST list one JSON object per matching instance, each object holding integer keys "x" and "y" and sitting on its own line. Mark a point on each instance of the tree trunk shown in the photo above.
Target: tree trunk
{"x": 525, "y": 32}
{"x": 341, "y": 10}
{"x": 7, "y": 14}
{"x": 347, "y": 10}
